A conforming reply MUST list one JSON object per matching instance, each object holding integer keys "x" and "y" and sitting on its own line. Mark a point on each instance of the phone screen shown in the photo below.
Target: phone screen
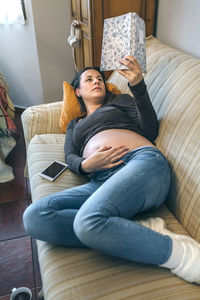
{"x": 54, "y": 169}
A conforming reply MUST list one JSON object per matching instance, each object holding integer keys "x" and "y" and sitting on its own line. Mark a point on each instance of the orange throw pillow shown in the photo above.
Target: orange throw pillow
{"x": 71, "y": 107}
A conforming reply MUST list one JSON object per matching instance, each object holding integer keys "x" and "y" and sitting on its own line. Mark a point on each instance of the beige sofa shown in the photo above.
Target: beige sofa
{"x": 173, "y": 80}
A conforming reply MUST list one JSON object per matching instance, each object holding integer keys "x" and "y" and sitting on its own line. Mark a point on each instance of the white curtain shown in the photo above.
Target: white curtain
{"x": 11, "y": 12}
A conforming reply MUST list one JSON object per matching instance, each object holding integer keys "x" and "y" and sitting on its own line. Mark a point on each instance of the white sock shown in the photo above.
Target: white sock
{"x": 176, "y": 255}
{"x": 184, "y": 260}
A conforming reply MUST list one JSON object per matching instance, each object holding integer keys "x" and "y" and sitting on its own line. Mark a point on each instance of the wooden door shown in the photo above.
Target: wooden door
{"x": 90, "y": 15}
{"x": 81, "y": 14}
{"x": 146, "y": 9}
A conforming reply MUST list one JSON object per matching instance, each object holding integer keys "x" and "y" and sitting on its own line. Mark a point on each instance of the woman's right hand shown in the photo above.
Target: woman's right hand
{"x": 134, "y": 72}
{"x": 104, "y": 158}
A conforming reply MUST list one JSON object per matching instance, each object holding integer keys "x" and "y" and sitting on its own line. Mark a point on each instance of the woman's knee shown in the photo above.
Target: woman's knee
{"x": 80, "y": 227}
{"x": 86, "y": 227}
{"x": 35, "y": 215}
{"x": 29, "y": 219}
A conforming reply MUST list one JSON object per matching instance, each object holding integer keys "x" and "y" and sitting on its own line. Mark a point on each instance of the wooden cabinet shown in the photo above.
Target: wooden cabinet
{"x": 88, "y": 17}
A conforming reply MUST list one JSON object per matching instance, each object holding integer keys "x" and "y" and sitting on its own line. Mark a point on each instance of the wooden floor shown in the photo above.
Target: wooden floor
{"x": 18, "y": 254}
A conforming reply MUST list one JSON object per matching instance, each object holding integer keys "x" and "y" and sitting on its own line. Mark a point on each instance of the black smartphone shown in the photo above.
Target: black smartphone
{"x": 55, "y": 169}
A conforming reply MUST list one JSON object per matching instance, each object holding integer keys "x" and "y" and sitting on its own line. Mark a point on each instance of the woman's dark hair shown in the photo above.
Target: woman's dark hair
{"x": 76, "y": 84}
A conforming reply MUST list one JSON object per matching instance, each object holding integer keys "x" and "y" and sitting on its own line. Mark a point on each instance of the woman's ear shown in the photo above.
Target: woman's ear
{"x": 77, "y": 92}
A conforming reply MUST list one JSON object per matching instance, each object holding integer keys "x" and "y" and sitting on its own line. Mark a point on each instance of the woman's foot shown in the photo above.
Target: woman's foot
{"x": 185, "y": 248}
{"x": 159, "y": 225}
{"x": 187, "y": 266}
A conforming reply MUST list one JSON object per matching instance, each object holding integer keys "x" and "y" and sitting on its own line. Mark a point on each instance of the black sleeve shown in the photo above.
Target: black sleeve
{"x": 148, "y": 121}
{"x": 72, "y": 156}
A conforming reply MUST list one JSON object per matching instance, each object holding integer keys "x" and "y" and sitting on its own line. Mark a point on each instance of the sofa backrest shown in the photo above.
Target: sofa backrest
{"x": 173, "y": 82}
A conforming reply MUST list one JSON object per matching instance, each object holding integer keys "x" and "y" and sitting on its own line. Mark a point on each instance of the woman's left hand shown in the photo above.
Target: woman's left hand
{"x": 134, "y": 72}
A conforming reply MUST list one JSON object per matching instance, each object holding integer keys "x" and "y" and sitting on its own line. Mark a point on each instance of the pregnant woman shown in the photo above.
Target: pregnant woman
{"x": 113, "y": 144}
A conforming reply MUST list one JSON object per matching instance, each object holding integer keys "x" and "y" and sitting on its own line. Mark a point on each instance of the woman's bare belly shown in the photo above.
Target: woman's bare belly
{"x": 115, "y": 137}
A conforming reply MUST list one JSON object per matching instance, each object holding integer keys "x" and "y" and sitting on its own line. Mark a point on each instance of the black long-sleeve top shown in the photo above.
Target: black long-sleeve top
{"x": 121, "y": 112}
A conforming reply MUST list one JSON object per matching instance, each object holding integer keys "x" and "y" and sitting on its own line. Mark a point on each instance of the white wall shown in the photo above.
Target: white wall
{"x": 178, "y": 25}
{"x": 19, "y": 62}
{"x": 52, "y": 25}
{"x": 35, "y": 58}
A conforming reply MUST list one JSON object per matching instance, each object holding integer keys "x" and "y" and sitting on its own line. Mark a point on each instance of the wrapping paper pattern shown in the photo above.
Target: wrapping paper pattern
{"x": 123, "y": 35}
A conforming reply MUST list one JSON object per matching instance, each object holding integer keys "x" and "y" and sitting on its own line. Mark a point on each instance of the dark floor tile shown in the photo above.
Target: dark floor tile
{"x": 33, "y": 291}
{"x": 28, "y": 188}
{"x": 38, "y": 280}
{"x": 29, "y": 200}
{"x": 18, "y": 124}
{"x": 11, "y": 223}
{"x": 16, "y": 266}
{"x": 7, "y": 297}
{"x": 39, "y": 294}
{"x": 35, "y": 294}
{"x": 16, "y": 188}
{"x": 17, "y": 156}
{"x": 16, "y": 159}
{"x": 13, "y": 190}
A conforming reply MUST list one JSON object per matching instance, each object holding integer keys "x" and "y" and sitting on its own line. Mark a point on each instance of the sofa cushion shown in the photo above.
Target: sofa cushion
{"x": 71, "y": 273}
{"x": 173, "y": 81}
{"x": 42, "y": 150}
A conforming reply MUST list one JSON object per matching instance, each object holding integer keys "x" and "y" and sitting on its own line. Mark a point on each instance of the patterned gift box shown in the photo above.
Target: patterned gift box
{"x": 123, "y": 35}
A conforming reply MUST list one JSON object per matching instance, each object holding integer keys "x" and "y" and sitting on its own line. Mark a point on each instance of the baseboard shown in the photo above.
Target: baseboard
{"x": 22, "y": 107}
{"x": 19, "y": 110}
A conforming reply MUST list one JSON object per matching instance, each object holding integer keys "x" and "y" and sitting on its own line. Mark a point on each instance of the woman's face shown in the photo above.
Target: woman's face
{"x": 92, "y": 88}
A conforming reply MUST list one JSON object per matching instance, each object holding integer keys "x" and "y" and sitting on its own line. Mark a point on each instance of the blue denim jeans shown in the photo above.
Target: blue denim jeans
{"x": 98, "y": 214}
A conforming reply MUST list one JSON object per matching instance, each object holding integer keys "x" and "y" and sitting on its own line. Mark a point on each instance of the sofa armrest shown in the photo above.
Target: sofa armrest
{"x": 41, "y": 119}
